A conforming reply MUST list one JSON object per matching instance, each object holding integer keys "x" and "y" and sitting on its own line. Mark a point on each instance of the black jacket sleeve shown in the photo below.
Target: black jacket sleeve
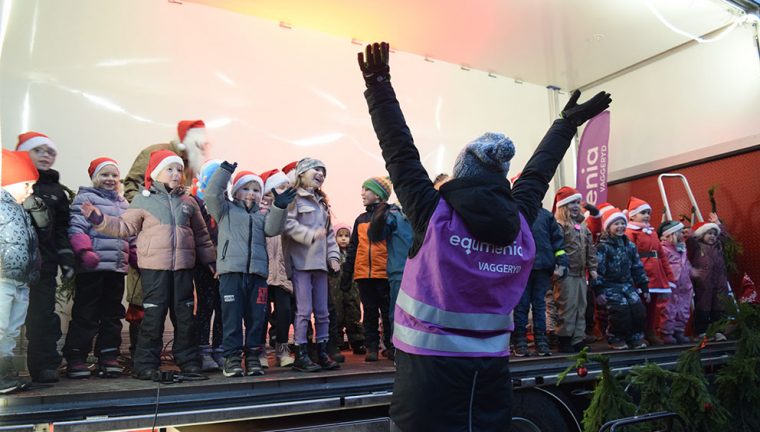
{"x": 61, "y": 224}
{"x": 353, "y": 243}
{"x": 533, "y": 183}
{"x": 558, "y": 242}
{"x": 402, "y": 159}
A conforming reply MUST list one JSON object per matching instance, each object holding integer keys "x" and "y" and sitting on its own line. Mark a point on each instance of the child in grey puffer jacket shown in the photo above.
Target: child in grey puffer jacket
{"x": 242, "y": 262}
{"x": 102, "y": 263}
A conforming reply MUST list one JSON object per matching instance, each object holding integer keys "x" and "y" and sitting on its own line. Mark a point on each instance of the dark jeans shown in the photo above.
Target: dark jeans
{"x": 97, "y": 311}
{"x": 534, "y": 296}
{"x": 375, "y": 297}
{"x": 284, "y": 312}
{"x": 164, "y": 291}
{"x": 244, "y": 301}
{"x": 626, "y": 314}
{"x": 43, "y": 326}
{"x": 451, "y": 393}
{"x": 207, "y": 293}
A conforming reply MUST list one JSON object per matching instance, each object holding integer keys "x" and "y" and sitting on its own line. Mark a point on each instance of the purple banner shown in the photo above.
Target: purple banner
{"x": 593, "y": 157}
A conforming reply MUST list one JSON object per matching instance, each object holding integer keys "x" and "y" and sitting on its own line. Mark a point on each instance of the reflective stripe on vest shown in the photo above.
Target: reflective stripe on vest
{"x": 452, "y": 320}
{"x": 450, "y": 343}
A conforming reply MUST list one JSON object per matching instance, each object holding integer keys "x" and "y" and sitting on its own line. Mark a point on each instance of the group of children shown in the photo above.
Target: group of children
{"x": 224, "y": 248}
{"x": 643, "y": 281}
{"x": 237, "y": 243}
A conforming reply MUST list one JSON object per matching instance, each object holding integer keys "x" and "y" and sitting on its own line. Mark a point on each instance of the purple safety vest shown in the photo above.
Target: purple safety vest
{"x": 457, "y": 294}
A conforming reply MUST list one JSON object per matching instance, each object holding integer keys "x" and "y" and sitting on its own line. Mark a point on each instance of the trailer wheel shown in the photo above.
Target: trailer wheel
{"x": 535, "y": 412}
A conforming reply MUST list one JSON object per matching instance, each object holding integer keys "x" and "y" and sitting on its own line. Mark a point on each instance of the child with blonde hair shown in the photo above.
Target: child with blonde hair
{"x": 103, "y": 261}
{"x": 171, "y": 237}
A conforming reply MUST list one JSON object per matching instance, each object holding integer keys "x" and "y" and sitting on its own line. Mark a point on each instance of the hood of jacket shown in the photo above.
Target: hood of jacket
{"x": 486, "y": 205}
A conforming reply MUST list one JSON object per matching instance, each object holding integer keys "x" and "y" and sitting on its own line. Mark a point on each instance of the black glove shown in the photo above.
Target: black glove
{"x": 282, "y": 200}
{"x": 579, "y": 114}
{"x": 346, "y": 281}
{"x": 374, "y": 63}
{"x": 229, "y": 167}
{"x": 592, "y": 210}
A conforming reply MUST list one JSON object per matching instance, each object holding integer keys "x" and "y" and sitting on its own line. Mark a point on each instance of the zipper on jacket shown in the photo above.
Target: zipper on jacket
{"x": 174, "y": 232}
{"x": 224, "y": 250}
{"x": 250, "y": 240}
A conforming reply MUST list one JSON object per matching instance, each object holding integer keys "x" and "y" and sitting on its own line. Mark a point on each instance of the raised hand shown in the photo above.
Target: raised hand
{"x": 592, "y": 210}
{"x": 283, "y": 200}
{"x": 374, "y": 63}
{"x": 579, "y": 114}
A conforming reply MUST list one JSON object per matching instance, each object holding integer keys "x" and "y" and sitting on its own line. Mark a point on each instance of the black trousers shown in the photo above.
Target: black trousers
{"x": 43, "y": 326}
{"x": 451, "y": 393}
{"x": 96, "y": 314}
{"x": 375, "y": 297}
{"x": 284, "y": 312}
{"x": 207, "y": 295}
{"x": 164, "y": 291}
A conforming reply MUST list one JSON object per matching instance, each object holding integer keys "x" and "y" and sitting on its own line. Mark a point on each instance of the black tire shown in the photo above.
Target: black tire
{"x": 533, "y": 411}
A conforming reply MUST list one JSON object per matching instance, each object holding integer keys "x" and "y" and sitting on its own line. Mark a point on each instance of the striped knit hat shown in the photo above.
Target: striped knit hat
{"x": 380, "y": 186}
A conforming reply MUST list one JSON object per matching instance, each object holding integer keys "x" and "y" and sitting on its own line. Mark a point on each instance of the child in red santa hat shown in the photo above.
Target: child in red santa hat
{"x": 103, "y": 261}
{"x": 661, "y": 278}
{"x": 704, "y": 249}
{"x": 171, "y": 237}
{"x": 570, "y": 291}
{"x": 20, "y": 265}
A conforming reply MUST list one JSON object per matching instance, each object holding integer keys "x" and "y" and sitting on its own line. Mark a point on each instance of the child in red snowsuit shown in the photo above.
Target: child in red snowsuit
{"x": 661, "y": 279}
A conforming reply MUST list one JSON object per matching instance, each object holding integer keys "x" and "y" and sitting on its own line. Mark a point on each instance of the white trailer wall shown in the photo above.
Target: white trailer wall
{"x": 698, "y": 102}
{"x": 107, "y": 78}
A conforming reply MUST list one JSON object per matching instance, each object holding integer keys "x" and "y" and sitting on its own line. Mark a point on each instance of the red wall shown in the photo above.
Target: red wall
{"x": 737, "y": 196}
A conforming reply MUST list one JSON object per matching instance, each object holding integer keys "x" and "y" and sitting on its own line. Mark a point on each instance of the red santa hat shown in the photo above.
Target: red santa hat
{"x": 18, "y": 168}
{"x": 610, "y": 215}
{"x": 98, "y": 164}
{"x": 159, "y": 160}
{"x": 565, "y": 196}
{"x": 290, "y": 171}
{"x": 30, "y": 140}
{"x": 749, "y": 291}
{"x": 243, "y": 177}
{"x": 701, "y": 228}
{"x": 273, "y": 179}
{"x": 189, "y": 128}
{"x": 637, "y": 205}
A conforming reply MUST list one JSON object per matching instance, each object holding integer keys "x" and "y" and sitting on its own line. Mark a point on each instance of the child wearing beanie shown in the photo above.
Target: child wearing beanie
{"x": 102, "y": 262}
{"x": 20, "y": 265}
{"x": 661, "y": 278}
{"x": 243, "y": 264}
{"x": 171, "y": 237}
{"x": 310, "y": 251}
{"x": 348, "y": 311}
{"x": 49, "y": 207}
{"x": 367, "y": 264}
{"x": 705, "y": 253}
{"x": 678, "y": 310}
{"x": 209, "y": 308}
{"x": 621, "y": 279}
{"x": 570, "y": 291}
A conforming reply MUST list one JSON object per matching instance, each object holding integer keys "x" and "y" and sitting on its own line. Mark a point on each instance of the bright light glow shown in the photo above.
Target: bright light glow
{"x": 318, "y": 140}
{"x": 33, "y": 37}
{"x": 735, "y": 21}
{"x": 25, "y": 111}
{"x": 129, "y": 62}
{"x": 4, "y": 18}
{"x": 225, "y": 79}
{"x": 330, "y": 98}
{"x": 438, "y": 107}
{"x": 218, "y": 123}
{"x": 105, "y": 103}
{"x": 439, "y": 159}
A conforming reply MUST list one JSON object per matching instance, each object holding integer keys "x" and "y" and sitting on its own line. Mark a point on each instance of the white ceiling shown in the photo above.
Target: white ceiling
{"x": 566, "y": 43}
